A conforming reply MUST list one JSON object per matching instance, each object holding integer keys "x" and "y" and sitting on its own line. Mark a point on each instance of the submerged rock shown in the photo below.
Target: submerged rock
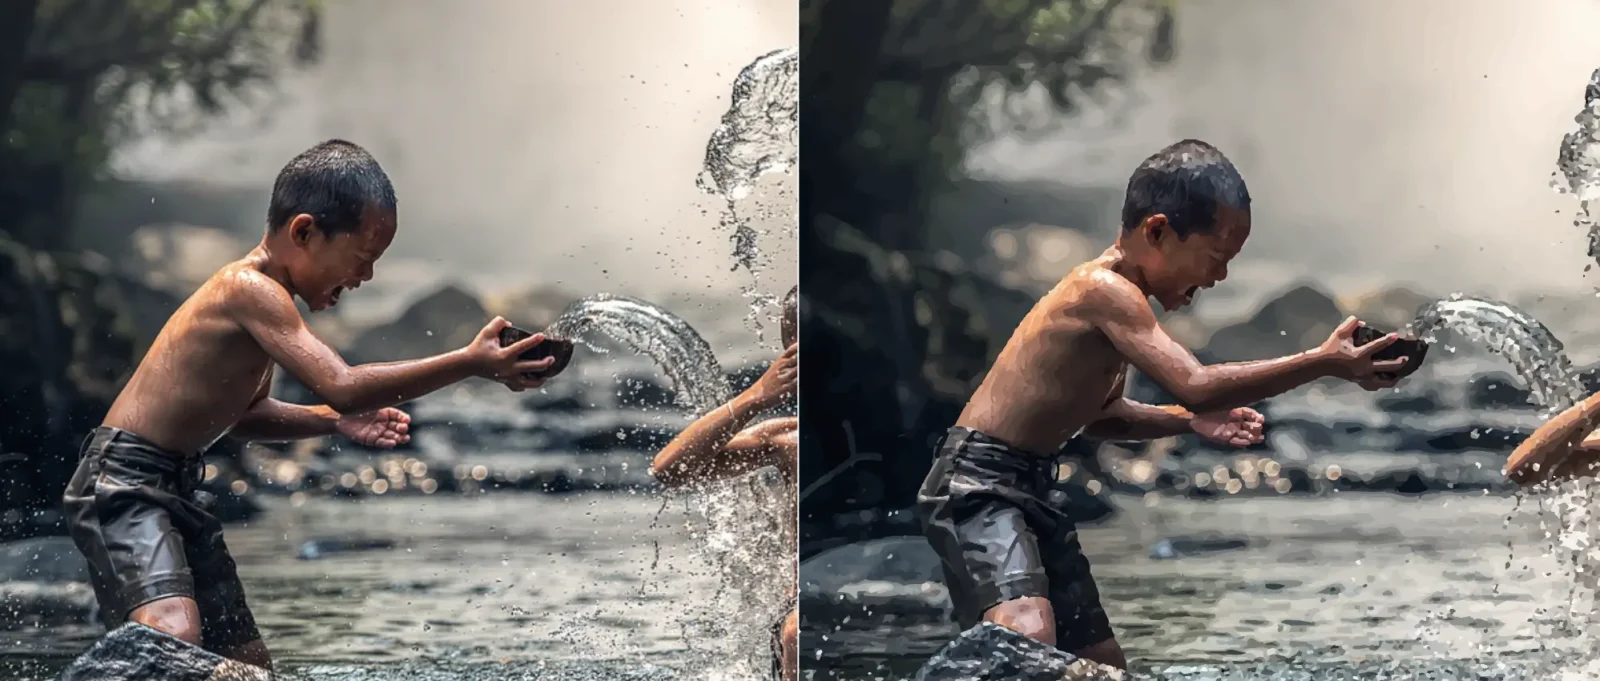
{"x": 135, "y": 652}
{"x": 42, "y": 559}
{"x": 990, "y": 652}
{"x": 1182, "y": 547}
{"x": 46, "y": 604}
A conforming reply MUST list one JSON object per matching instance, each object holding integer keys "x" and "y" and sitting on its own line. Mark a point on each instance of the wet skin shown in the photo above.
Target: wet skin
{"x": 721, "y": 444}
{"x": 1064, "y": 368}
{"x": 1565, "y": 447}
{"x": 209, "y": 371}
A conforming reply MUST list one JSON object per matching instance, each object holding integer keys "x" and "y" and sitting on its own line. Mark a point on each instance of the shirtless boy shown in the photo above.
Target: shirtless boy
{"x": 1009, "y": 556}
{"x": 156, "y": 554}
{"x": 723, "y": 444}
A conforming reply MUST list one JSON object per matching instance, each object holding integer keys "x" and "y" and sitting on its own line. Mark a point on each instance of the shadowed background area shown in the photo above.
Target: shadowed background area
{"x": 541, "y": 151}
{"x": 964, "y": 156}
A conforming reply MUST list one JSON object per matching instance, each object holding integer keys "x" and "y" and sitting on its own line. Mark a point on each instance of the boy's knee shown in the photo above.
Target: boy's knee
{"x": 1031, "y": 616}
{"x": 177, "y": 616}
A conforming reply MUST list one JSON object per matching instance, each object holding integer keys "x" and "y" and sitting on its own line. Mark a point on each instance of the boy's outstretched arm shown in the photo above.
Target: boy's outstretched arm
{"x": 1121, "y": 311}
{"x": 268, "y": 313}
{"x": 270, "y": 420}
{"x": 1566, "y": 446}
{"x": 717, "y": 445}
{"x": 1125, "y": 419}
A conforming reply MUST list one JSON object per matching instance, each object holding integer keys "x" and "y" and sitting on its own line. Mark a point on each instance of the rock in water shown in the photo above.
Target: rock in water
{"x": 990, "y": 652}
{"x": 135, "y": 652}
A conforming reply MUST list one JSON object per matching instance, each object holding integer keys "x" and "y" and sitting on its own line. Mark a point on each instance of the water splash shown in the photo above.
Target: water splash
{"x": 745, "y": 527}
{"x": 1536, "y": 356}
{"x": 698, "y": 380}
{"x": 1578, "y": 164}
{"x": 758, "y": 135}
{"x": 1540, "y": 360}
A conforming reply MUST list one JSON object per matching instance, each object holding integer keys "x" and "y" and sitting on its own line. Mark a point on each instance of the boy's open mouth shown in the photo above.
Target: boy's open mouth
{"x": 1188, "y": 296}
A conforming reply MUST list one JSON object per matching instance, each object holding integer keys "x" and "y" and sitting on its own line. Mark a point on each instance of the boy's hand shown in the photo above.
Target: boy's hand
{"x": 1236, "y": 428}
{"x": 501, "y": 363}
{"x": 1355, "y": 362}
{"x": 384, "y": 428}
{"x": 779, "y": 382}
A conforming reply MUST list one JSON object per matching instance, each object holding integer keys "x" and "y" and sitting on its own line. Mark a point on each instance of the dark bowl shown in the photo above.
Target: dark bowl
{"x": 560, "y": 349}
{"x": 1413, "y": 350}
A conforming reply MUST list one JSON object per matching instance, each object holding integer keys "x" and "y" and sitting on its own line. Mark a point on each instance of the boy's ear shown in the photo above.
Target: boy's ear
{"x": 300, "y": 228}
{"x": 1155, "y": 228}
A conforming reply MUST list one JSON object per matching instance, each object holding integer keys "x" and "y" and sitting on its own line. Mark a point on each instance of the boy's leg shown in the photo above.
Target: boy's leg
{"x": 117, "y": 517}
{"x": 989, "y": 554}
{"x": 175, "y": 615}
{"x": 1082, "y": 626}
{"x": 228, "y": 626}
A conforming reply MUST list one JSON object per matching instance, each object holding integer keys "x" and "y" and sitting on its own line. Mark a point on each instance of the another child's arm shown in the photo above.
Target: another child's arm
{"x": 1566, "y": 446}
{"x": 268, "y": 313}
{"x": 1121, "y": 311}
{"x": 717, "y": 445}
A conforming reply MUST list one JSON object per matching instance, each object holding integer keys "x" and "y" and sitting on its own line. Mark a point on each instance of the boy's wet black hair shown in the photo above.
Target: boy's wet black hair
{"x": 332, "y": 182}
{"x": 1187, "y": 182}
{"x": 789, "y": 323}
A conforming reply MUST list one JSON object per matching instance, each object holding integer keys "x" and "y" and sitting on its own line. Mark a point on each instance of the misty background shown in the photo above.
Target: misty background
{"x": 529, "y": 143}
{"x": 541, "y": 151}
{"x": 1383, "y": 143}
{"x": 963, "y": 157}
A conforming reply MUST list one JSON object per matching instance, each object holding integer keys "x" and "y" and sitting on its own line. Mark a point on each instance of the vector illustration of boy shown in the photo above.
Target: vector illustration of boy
{"x": 156, "y": 553}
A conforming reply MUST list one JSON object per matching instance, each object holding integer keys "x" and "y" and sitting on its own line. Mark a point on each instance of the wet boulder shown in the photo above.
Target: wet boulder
{"x": 1497, "y": 390}
{"x": 447, "y": 319}
{"x": 1300, "y": 318}
{"x": 135, "y": 652}
{"x": 990, "y": 652}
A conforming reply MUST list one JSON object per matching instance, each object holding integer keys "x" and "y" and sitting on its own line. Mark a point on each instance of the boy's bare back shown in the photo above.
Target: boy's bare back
{"x": 1058, "y": 371}
{"x": 204, "y": 369}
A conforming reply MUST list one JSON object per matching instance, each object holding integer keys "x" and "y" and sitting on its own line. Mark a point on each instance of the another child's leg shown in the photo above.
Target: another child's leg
{"x": 789, "y": 637}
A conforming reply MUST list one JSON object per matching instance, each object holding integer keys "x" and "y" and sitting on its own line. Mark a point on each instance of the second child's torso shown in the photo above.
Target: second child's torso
{"x": 1054, "y": 377}
{"x": 199, "y": 377}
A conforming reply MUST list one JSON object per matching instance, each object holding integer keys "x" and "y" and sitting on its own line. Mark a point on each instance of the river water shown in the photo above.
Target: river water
{"x": 581, "y": 586}
{"x": 1444, "y": 586}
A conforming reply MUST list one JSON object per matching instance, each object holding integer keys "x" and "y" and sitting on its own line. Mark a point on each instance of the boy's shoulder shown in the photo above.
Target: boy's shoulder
{"x": 1093, "y": 286}
{"x": 241, "y": 287}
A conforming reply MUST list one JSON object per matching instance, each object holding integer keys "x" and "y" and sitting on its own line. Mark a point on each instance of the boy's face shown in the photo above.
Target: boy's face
{"x": 328, "y": 265}
{"x": 789, "y": 327}
{"x": 1182, "y": 267}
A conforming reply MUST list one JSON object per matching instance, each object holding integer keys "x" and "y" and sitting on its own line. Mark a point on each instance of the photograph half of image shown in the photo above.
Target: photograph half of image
{"x": 362, "y": 339}
{"x": 1198, "y": 340}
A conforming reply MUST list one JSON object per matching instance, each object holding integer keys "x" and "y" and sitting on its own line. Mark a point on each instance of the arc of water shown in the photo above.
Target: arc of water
{"x": 1536, "y": 356}
{"x": 651, "y": 330}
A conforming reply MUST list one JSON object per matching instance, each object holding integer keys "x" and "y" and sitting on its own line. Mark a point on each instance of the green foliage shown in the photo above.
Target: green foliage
{"x": 98, "y": 72}
{"x": 949, "y": 67}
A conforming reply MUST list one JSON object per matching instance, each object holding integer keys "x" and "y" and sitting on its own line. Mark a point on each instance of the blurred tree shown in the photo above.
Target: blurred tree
{"x": 77, "y": 77}
{"x": 892, "y": 94}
